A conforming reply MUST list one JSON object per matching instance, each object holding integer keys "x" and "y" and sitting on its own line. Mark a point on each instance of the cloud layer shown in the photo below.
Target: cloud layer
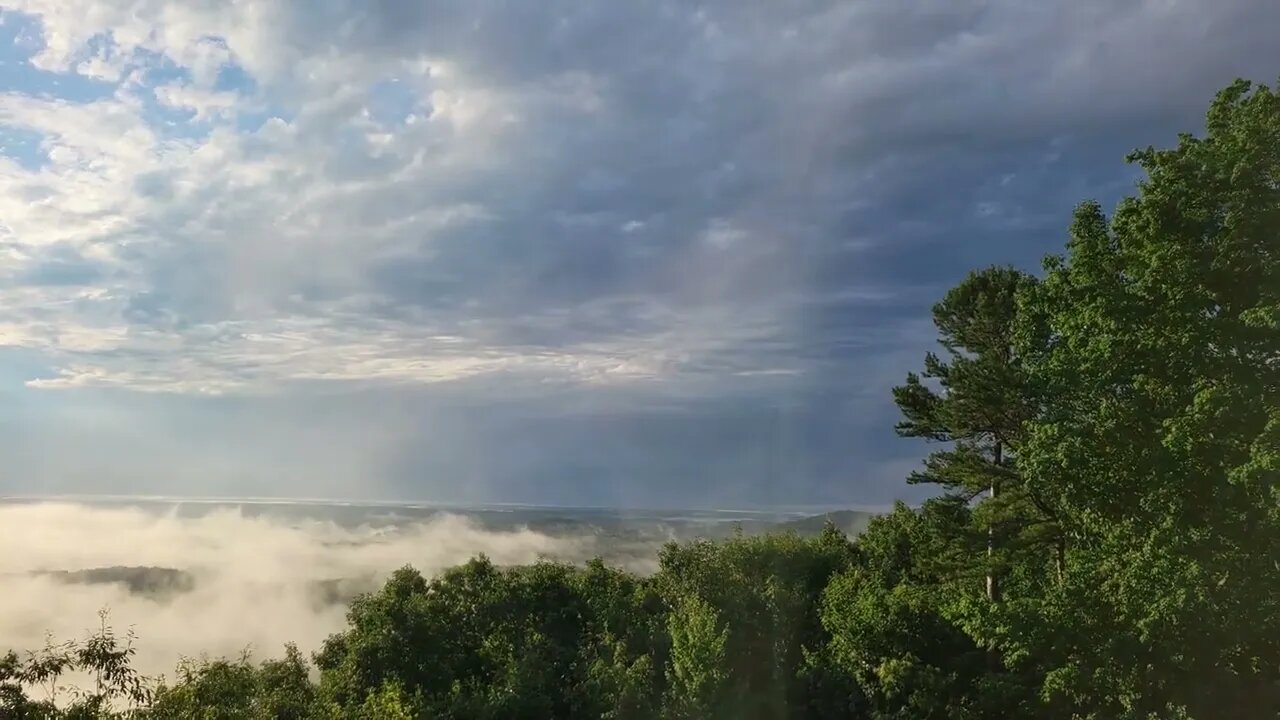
{"x": 716, "y": 213}
{"x": 257, "y": 582}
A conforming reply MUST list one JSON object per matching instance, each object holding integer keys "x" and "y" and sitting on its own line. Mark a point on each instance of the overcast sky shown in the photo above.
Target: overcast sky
{"x": 604, "y": 253}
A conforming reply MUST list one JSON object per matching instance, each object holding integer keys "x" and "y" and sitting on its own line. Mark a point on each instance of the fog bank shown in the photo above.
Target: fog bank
{"x": 225, "y": 581}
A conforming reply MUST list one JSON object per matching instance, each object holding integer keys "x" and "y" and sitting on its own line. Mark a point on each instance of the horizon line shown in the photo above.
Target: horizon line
{"x": 815, "y": 509}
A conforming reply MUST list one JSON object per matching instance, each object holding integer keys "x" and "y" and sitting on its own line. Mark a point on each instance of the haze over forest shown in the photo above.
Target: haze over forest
{"x": 219, "y": 577}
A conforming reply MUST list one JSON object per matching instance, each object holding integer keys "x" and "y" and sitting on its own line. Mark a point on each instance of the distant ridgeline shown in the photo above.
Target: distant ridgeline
{"x": 620, "y": 535}
{"x": 154, "y": 582}
{"x": 552, "y": 520}
{"x": 850, "y": 522}
{"x": 161, "y": 584}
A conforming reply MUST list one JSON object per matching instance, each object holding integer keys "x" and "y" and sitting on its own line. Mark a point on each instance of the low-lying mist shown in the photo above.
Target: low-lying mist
{"x": 222, "y": 581}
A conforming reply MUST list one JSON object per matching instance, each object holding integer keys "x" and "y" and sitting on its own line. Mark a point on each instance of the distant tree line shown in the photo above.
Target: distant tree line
{"x": 1104, "y": 543}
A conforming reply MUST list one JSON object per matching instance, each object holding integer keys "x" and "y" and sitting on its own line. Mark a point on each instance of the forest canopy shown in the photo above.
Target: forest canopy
{"x": 1104, "y": 541}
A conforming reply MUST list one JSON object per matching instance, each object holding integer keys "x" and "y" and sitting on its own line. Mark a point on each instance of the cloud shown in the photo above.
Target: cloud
{"x": 204, "y": 104}
{"x": 702, "y": 207}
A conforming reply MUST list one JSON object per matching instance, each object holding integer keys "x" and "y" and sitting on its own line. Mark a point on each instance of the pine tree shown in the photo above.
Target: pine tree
{"x": 978, "y": 400}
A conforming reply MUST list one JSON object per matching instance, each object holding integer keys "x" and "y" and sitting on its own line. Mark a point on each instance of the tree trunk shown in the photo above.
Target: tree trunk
{"x": 993, "y": 585}
{"x": 1060, "y": 559}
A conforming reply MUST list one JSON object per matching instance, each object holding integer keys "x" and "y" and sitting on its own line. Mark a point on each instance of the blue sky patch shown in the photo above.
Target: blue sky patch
{"x": 23, "y": 146}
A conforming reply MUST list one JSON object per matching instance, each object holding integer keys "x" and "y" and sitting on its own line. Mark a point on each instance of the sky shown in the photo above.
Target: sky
{"x": 647, "y": 254}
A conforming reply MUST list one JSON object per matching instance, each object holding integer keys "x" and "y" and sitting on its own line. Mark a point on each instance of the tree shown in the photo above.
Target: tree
{"x": 212, "y": 689}
{"x": 978, "y": 400}
{"x": 387, "y": 703}
{"x": 545, "y": 640}
{"x": 886, "y": 621}
{"x": 218, "y": 689}
{"x": 117, "y": 688}
{"x": 698, "y": 675}
{"x": 767, "y": 590}
{"x": 1156, "y": 341}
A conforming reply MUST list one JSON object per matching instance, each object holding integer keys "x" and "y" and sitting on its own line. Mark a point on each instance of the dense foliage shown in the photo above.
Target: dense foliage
{"x": 1105, "y": 542}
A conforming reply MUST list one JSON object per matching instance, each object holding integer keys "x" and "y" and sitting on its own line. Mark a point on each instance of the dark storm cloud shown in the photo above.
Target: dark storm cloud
{"x": 836, "y": 133}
